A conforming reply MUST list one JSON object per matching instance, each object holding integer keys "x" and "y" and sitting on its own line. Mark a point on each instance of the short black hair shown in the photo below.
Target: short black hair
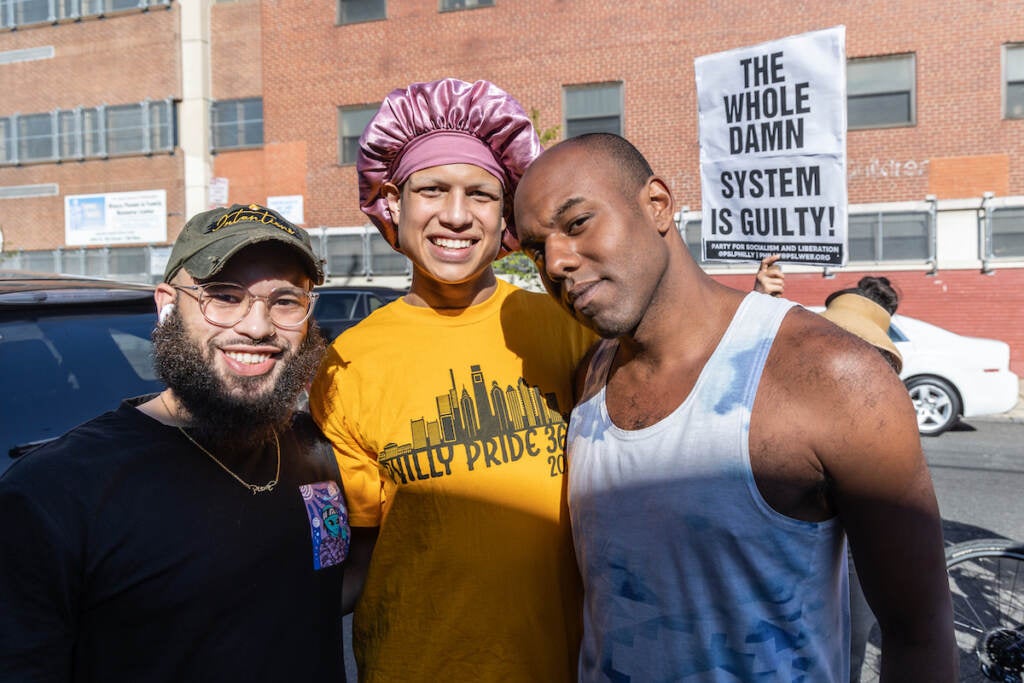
{"x": 881, "y": 291}
{"x": 631, "y": 163}
{"x": 875, "y": 288}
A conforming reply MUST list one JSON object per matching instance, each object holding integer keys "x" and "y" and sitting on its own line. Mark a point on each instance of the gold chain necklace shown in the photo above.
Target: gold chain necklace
{"x": 255, "y": 488}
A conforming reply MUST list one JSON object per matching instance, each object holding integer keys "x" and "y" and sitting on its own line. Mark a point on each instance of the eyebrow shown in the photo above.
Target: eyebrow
{"x": 564, "y": 207}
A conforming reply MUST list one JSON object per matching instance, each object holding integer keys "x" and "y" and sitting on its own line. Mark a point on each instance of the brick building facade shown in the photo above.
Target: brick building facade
{"x": 310, "y": 69}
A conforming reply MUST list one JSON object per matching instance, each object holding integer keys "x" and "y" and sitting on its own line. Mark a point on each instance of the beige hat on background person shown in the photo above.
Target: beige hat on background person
{"x": 861, "y": 316}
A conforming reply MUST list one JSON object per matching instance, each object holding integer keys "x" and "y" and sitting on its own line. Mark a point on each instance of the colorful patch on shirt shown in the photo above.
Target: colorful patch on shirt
{"x": 328, "y": 522}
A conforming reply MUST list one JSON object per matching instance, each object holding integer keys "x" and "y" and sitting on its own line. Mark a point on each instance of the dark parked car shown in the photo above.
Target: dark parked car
{"x": 70, "y": 349}
{"x": 341, "y": 307}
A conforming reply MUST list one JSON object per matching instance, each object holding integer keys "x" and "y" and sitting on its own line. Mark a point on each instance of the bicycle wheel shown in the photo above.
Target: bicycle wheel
{"x": 986, "y": 579}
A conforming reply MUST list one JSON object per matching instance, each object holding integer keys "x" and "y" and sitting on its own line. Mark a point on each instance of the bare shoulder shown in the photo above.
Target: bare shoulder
{"x": 837, "y": 393}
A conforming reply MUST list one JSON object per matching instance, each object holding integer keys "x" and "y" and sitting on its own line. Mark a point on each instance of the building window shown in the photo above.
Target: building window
{"x": 593, "y": 109}
{"x": 453, "y": 5}
{"x": 358, "y": 252}
{"x": 690, "y": 231}
{"x": 383, "y": 259}
{"x": 890, "y": 236}
{"x": 138, "y": 128}
{"x": 351, "y": 123}
{"x": 36, "y": 138}
{"x": 14, "y": 13}
{"x": 88, "y": 132}
{"x": 1006, "y": 239}
{"x": 80, "y": 134}
{"x": 128, "y": 261}
{"x": 356, "y": 11}
{"x": 880, "y": 92}
{"x": 237, "y": 124}
{"x": 1013, "y": 67}
{"x": 22, "y": 12}
{"x": 126, "y": 129}
{"x": 7, "y": 137}
{"x": 345, "y": 256}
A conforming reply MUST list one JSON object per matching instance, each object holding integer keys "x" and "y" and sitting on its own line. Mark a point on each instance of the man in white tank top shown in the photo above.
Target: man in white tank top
{"x": 724, "y": 447}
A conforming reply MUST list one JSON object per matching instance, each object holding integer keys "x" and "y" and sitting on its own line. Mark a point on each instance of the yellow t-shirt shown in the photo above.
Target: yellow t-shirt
{"x": 449, "y": 430}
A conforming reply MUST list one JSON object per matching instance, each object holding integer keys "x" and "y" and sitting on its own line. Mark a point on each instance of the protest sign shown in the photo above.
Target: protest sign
{"x": 773, "y": 150}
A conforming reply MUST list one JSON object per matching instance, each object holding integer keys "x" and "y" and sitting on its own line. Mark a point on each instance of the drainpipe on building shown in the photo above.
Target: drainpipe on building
{"x": 985, "y": 232}
{"x": 933, "y": 213}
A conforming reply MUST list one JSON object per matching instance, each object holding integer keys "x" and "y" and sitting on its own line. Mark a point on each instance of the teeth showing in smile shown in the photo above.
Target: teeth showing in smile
{"x": 248, "y": 358}
{"x": 452, "y": 244}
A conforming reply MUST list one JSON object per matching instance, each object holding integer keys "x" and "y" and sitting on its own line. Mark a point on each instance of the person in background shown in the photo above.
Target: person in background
{"x": 199, "y": 533}
{"x": 866, "y": 311}
{"x": 725, "y": 446}
{"x": 446, "y": 409}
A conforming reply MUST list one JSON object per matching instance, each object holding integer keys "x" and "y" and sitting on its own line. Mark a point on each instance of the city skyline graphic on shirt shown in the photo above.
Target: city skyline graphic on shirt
{"x": 478, "y": 413}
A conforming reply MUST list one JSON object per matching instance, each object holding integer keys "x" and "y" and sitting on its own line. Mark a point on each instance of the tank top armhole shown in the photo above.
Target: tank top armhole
{"x": 598, "y": 369}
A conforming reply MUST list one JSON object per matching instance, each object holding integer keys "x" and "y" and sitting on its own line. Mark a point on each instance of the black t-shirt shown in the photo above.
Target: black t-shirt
{"x": 126, "y": 554}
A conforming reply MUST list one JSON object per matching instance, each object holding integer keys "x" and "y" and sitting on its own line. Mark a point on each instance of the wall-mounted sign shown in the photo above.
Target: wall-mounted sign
{"x": 115, "y": 218}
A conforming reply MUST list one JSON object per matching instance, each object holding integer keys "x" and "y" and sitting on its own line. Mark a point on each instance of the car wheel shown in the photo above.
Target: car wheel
{"x": 936, "y": 402}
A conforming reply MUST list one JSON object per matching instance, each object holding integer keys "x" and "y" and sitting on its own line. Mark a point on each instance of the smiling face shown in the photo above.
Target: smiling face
{"x": 449, "y": 225}
{"x": 248, "y": 374}
{"x": 595, "y": 234}
{"x": 248, "y": 357}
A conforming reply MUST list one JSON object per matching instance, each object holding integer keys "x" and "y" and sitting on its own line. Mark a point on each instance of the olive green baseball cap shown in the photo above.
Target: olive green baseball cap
{"x": 211, "y": 238}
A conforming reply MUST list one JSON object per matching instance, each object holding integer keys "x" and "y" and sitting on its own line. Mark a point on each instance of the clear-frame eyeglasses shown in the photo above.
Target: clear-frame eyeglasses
{"x": 225, "y": 305}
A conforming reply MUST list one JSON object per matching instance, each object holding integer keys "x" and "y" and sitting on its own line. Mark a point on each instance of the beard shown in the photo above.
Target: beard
{"x": 243, "y": 413}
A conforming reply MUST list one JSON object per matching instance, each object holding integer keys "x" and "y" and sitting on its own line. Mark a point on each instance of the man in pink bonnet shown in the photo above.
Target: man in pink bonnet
{"x": 447, "y": 409}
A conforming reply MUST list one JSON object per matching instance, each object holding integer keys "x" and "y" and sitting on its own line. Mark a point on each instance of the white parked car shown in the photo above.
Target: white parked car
{"x": 950, "y": 376}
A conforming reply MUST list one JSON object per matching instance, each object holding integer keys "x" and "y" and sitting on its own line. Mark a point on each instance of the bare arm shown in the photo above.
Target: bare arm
{"x": 884, "y": 497}
{"x": 356, "y": 565}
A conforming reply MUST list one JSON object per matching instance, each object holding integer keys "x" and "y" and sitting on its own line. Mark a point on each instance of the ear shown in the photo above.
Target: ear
{"x": 393, "y": 196}
{"x": 658, "y": 202}
{"x": 164, "y": 294}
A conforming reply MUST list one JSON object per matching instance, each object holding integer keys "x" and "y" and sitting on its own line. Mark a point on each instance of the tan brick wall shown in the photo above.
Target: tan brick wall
{"x": 534, "y": 47}
{"x": 38, "y": 223}
{"x": 956, "y": 177}
{"x": 121, "y": 59}
{"x": 236, "y": 50}
{"x": 255, "y": 174}
{"x": 245, "y": 171}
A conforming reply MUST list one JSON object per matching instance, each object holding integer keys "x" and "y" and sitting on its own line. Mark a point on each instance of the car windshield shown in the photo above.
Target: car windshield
{"x": 63, "y": 369}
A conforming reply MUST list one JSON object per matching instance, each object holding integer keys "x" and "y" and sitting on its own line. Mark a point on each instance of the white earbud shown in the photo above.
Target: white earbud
{"x": 165, "y": 312}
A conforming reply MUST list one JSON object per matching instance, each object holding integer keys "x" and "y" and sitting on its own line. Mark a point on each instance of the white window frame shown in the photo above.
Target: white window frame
{"x": 1013, "y": 80}
{"x": 926, "y": 211}
{"x": 370, "y": 242}
{"x": 376, "y": 9}
{"x": 571, "y": 115}
{"x": 238, "y": 122}
{"x": 83, "y": 133}
{"x": 352, "y": 119}
{"x": 996, "y": 212}
{"x": 459, "y": 5}
{"x": 889, "y": 86}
